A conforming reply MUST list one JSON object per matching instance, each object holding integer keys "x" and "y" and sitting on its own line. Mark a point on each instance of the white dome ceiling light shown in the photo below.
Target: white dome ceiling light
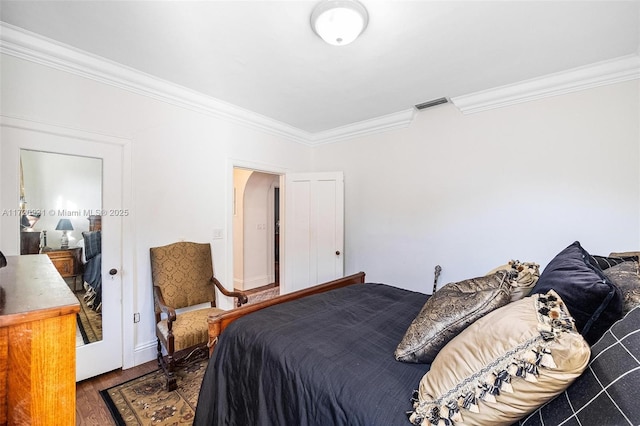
{"x": 339, "y": 22}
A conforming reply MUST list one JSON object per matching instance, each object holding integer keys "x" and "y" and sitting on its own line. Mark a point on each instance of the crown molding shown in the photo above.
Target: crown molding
{"x": 599, "y": 74}
{"x": 32, "y": 47}
{"x": 23, "y": 44}
{"x": 20, "y": 43}
{"x": 61, "y": 130}
{"x": 394, "y": 121}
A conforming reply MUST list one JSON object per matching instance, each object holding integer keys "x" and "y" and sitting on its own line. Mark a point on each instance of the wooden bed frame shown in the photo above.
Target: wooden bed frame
{"x": 218, "y": 322}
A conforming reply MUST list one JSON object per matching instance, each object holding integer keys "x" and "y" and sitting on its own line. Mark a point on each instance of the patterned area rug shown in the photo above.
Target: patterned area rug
{"x": 261, "y": 295}
{"x": 145, "y": 400}
{"x": 89, "y": 321}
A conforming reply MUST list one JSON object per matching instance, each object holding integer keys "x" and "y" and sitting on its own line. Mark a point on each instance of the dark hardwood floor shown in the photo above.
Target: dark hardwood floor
{"x": 90, "y": 407}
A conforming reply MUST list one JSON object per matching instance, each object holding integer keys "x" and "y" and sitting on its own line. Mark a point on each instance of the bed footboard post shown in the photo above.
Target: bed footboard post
{"x": 214, "y": 333}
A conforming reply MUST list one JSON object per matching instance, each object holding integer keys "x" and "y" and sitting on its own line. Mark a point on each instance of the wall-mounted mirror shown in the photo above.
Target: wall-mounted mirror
{"x": 61, "y": 205}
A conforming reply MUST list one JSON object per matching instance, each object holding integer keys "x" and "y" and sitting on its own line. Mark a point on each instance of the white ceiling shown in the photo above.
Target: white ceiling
{"x": 263, "y": 56}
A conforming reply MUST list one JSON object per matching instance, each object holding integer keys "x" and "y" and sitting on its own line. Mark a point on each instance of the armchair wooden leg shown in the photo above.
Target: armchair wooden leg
{"x": 172, "y": 383}
{"x": 159, "y": 354}
{"x": 170, "y": 373}
{"x": 168, "y": 367}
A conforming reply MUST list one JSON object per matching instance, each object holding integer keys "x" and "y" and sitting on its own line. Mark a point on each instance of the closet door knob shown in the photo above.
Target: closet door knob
{"x": 113, "y": 271}
{"x": 337, "y": 252}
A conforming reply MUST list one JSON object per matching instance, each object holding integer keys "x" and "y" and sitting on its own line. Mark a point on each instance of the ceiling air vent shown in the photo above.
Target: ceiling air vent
{"x": 431, "y": 103}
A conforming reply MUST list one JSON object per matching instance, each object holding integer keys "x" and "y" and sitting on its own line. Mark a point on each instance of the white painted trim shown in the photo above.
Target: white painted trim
{"x": 61, "y": 130}
{"x": 256, "y": 282}
{"x": 397, "y": 120}
{"x": 226, "y": 302}
{"x": 586, "y": 77}
{"x": 146, "y": 352}
{"x": 23, "y": 44}
{"x": 20, "y": 43}
{"x": 128, "y": 272}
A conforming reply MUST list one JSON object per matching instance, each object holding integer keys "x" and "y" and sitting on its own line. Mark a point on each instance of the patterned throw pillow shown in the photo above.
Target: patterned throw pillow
{"x": 607, "y": 393}
{"x": 524, "y": 276}
{"x": 449, "y": 311}
{"x": 626, "y": 276}
{"x": 503, "y": 366}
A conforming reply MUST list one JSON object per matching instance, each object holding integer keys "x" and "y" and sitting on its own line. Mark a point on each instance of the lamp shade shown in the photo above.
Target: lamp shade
{"x": 64, "y": 225}
{"x": 339, "y": 22}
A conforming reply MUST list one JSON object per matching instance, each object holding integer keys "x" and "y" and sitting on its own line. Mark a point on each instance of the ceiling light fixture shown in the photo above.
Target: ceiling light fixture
{"x": 339, "y": 22}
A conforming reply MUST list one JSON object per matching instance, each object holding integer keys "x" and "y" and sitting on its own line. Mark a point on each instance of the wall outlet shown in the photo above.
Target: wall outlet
{"x": 218, "y": 234}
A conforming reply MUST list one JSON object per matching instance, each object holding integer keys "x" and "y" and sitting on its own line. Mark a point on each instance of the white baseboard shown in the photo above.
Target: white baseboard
{"x": 253, "y": 282}
{"x": 145, "y": 352}
{"x": 257, "y": 282}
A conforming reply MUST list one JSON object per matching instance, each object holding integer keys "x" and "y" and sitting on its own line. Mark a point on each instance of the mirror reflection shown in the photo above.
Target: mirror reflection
{"x": 60, "y": 204}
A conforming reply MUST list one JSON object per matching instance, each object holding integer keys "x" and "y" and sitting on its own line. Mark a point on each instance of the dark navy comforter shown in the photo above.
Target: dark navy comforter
{"x": 325, "y": 359}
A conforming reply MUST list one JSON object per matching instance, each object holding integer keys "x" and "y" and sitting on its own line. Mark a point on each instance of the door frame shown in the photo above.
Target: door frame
{"x": 233, "y": 163}
{"x": 127, "y": 250}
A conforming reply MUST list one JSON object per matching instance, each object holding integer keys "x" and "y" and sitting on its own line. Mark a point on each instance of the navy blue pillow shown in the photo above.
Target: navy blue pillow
{"x": 594, "y": 302}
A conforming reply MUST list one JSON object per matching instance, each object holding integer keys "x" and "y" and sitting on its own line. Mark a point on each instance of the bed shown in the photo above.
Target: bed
{"x": 92, "y": 276}
{"x": 263, "y": 371}
{"x": 325, "y": 355}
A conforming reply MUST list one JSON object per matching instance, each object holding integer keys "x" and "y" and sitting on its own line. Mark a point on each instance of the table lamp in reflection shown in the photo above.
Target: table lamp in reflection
{"x": 64, "y": 225}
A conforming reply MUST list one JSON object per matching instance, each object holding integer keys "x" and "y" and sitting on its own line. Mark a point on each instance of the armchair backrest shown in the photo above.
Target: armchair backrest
{"x": 183, "y": 272}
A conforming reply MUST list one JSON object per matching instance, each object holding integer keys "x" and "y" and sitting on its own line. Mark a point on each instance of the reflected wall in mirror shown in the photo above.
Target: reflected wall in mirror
{"x": 61, "y": 202}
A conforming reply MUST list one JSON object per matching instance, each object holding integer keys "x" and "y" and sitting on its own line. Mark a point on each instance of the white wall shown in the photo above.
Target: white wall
{"x": 465, "y": 192}
{"x": 470, "y": 192}
{"x": 240, "y": 177}
{"x": 181, "y": 184}
{"x": 258, "y": 230}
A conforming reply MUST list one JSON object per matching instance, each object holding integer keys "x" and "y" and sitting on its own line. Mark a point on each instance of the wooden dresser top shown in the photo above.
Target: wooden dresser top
{"x": 32, "y": 289}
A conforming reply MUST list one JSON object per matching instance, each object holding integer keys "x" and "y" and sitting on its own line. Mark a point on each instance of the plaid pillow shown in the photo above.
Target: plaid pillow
{"x": 92, "y": 244}
{"x": 607, "y": 393}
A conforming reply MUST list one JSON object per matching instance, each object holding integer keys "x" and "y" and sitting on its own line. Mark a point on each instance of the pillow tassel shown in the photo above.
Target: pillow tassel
{"x": 454, "y": 411}
{"x": 433, "y": 416}
{"x": 531, "y": 372}
{"x": 546, "y": 359}
{"x": 518, "y": 370}
{"x": 494, "y": 387}
{"x": 484, "y": 394}
{"x": 470, "y": 402}
{"x": 445, "y": 414}
{"x": 503, "y": 381}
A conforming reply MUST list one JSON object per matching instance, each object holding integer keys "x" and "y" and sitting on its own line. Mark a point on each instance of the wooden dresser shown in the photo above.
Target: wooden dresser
{"x": 68, "y": 262}
{"x": 37, "y": 344}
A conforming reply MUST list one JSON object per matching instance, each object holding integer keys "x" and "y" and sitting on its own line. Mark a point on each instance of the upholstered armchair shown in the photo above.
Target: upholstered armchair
{"x": 182, "y": 275}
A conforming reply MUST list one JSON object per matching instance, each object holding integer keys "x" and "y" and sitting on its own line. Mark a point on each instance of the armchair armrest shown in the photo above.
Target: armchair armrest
{"x": 242, "y": 297}
{"x": 167, "y": 310}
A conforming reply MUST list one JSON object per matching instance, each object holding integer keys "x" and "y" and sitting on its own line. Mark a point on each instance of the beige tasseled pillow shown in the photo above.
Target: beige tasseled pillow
{"x": 503, "y": 366}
